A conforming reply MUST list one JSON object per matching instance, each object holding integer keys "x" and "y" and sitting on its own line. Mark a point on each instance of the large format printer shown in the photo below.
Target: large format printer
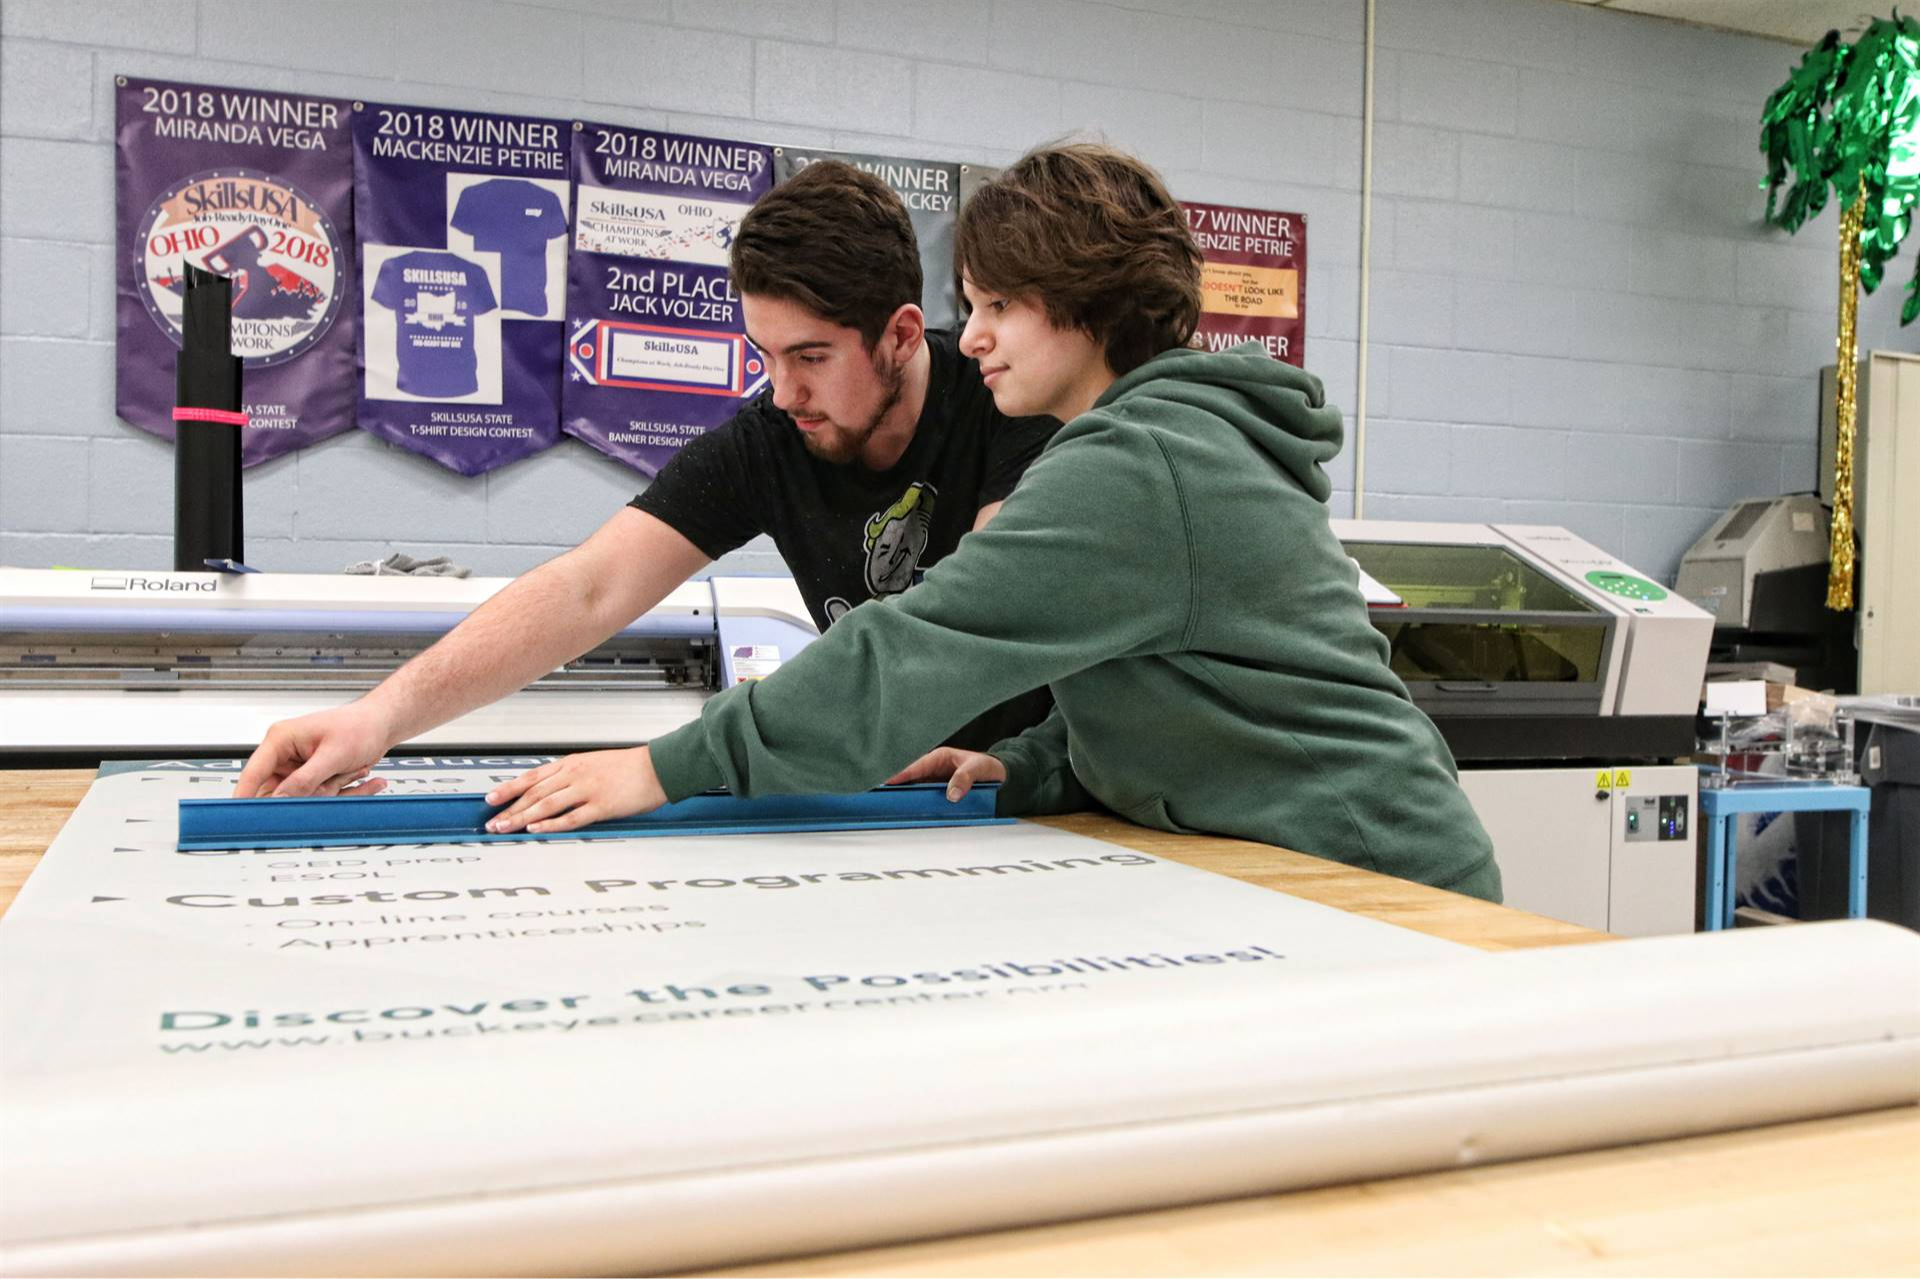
{"x": 1564, "y": 682}
{"x": 142, "y": 664}
{"x": 1566, "y": 685}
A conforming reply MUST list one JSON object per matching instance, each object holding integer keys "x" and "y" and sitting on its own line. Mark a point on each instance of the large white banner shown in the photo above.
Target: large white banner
{"x": 286, "y": 955}
{"x": 241, "y": 1036}
{"x": 648, "y": 1055}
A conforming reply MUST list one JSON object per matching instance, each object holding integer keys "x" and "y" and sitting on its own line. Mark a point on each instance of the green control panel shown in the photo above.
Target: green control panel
{"x": 1626, "y": 585}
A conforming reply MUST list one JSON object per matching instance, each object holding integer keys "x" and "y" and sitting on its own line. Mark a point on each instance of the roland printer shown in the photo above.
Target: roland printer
{"x": 97, "y": 665}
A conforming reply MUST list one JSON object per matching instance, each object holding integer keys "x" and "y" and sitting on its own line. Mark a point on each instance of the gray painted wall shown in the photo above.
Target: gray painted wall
{"x": 1577, "y": 316}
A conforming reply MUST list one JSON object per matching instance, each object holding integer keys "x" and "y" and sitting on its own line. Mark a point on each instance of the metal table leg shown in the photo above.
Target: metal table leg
{"x": 1857, "y": 867}
{"x": 1718, "y": 846}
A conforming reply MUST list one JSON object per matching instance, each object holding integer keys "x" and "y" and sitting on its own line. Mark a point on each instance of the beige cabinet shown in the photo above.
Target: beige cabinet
{"x": 1610, "y": 848}
{"x": 1886, "y": 513}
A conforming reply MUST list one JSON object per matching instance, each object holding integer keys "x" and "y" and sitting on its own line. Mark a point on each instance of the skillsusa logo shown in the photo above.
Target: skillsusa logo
{"x": 262, "y": 232}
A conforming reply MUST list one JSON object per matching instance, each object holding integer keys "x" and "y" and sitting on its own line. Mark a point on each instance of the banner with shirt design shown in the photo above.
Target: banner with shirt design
{"x": 1253, "y": 284}
{"x": 656, "y": 343}
{"x": 931, "y": 191}
{"x": 255, "y": 186}
{"x": 463, "y": 221}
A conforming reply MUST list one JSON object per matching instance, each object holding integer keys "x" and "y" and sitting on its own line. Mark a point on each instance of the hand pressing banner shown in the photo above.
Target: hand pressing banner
{"x": 463, "y": 222}
{"x": 656, "y": 343}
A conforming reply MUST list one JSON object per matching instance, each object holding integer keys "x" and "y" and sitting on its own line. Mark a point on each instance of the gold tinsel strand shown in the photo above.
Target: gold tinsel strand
{"x": 1840, "y": 569}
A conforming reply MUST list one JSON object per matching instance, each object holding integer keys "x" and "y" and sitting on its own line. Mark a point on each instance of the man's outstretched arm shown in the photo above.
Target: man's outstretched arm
{"x": 542, "y": 619}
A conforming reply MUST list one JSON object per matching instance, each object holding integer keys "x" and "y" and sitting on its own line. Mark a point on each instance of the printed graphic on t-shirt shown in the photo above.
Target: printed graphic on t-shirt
{"x": 894, "y": 541}
{"x": 518, "y": 218}
{"x": 896, "y": 538}
{"x": 436, "y": 299}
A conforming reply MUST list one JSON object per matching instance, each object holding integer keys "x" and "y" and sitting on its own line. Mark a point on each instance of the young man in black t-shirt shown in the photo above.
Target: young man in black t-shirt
{"x": 849, "y": 531}
{"x": 876, "y": 449}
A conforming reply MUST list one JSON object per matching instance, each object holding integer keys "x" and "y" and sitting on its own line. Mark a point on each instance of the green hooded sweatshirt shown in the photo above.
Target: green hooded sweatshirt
{"x": 1167, "y": 567}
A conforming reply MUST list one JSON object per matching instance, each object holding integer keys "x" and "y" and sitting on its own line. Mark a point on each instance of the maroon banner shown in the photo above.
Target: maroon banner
{"x": 1254, "y": 282}
{"x": 255, "y": 186}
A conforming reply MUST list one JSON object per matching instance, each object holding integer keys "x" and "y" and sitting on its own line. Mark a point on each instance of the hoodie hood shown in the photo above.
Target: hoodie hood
{"x": 1282, "y": 410}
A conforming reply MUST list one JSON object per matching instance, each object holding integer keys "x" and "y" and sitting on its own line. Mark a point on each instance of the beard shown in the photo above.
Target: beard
{"x": 842, "y": 444}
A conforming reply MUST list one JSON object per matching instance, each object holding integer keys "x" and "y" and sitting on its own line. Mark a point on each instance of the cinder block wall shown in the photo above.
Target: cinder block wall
{"x": 1577, "y": 317}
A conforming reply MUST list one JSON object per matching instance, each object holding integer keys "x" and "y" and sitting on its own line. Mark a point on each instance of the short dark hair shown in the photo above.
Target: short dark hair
{"x": 837, "y": 241}
{"x": 1094, "y": 236}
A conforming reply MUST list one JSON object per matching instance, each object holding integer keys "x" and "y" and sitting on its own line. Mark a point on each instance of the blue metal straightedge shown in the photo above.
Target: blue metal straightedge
{"x": 210, "y": 824}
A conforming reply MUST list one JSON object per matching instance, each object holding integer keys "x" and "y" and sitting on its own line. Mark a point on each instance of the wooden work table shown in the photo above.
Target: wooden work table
{"x": 1828, "y": 1196}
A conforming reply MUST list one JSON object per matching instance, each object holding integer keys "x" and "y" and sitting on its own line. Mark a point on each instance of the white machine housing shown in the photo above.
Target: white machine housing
{"x": 1610, "y": 848}
{"x": 1605, "y": 843}
{"x": 1756, "y": 536}
{"x": 1655, "y": 662}
{"x": 110, "y": 663}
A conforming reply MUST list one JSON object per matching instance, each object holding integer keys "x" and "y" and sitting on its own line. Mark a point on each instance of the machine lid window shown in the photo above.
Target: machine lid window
{"x": 1465, "y": 577}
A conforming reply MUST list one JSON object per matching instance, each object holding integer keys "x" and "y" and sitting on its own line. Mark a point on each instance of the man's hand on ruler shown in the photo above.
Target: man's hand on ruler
{"x": 325, "y": 753}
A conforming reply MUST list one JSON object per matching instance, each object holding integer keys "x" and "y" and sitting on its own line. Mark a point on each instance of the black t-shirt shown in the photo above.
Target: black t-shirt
{"x": 849, "y": 534}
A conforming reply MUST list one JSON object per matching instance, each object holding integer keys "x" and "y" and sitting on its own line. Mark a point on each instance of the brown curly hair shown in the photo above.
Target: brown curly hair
{"x": 836, "y": 240}
{"x": 1093, "y": 235}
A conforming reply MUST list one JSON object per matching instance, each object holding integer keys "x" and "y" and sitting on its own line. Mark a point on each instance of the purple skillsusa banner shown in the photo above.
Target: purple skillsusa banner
{"x": 257, "y": 187}
{"x": 463, "y": 245}
{"x": 656, "y": 346}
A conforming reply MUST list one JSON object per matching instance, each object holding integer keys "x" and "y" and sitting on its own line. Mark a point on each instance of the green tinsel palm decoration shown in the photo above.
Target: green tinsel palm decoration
{"x": 1848, "y": 120}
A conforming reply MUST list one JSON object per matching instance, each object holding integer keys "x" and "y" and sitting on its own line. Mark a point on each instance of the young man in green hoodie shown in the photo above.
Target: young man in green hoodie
{"x": 1166, "y": 566}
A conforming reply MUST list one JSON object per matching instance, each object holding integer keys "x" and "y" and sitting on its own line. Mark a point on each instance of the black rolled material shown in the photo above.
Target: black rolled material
{"x": 206, "y": 455}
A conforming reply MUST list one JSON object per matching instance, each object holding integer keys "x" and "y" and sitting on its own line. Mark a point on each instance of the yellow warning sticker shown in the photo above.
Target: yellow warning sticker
{"x": 1603, "y": 780}
{"x": 1622, "y": 778}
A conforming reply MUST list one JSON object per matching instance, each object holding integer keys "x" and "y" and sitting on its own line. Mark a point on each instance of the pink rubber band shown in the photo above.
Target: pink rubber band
{"x": 225, "y": 417}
